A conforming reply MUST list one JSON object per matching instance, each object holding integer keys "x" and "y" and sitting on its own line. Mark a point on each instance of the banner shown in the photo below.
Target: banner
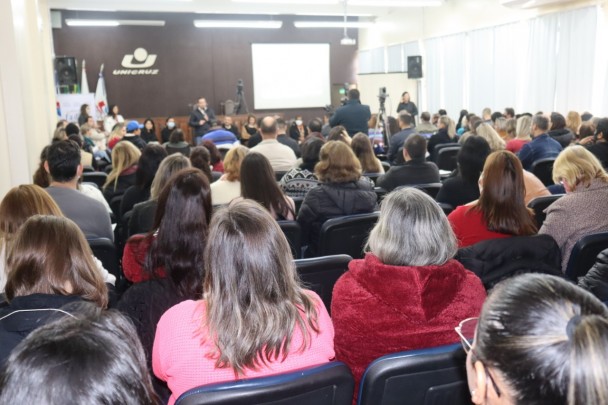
{"x": 68, "y": 105}
{"x": 101, "y": 99}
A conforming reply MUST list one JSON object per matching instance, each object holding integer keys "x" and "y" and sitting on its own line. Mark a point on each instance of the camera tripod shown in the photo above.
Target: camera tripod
{"x": 382, "y": 118}
{"x": 240, "y": 103}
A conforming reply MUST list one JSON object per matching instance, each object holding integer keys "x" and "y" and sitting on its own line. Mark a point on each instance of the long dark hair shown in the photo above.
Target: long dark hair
{"x": 216, "y": 156}
{"x": 471, "y": 158}
{"x": 311, "y": 148}
{"x": 201, "y": 159}
{"x": 501, "y": 199}
{"x": 258, "y": 183}
{"x": 182, "y": 224}
{"x": 148, "y": 163}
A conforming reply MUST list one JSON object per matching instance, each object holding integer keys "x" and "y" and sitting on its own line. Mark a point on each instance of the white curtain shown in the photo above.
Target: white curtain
{"x": 394, "y": 58}
{"x": 453, "y": 73}
{"x": 481, "y": 70}
{"x": 431, "y": 62}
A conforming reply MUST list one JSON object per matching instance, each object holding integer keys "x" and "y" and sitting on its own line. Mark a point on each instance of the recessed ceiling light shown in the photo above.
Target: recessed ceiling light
{"x": 237, "y": 24}
{"x": 333, "y": 24}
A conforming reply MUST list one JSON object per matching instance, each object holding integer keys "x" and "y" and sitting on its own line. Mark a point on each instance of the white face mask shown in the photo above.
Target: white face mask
{"x": 170, "y": 125}
{"x": 298, "y": 122}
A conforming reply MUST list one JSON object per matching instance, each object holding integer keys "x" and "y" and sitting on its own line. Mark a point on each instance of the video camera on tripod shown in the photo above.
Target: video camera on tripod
{"x": 382, "y": 95}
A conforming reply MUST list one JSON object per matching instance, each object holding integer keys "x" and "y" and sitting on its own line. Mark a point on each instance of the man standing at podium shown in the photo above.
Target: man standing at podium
{"x": 201, "y": 118}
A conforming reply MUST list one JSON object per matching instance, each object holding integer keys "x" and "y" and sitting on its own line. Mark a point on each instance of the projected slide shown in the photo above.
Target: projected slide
{"x": 290, "y": 76}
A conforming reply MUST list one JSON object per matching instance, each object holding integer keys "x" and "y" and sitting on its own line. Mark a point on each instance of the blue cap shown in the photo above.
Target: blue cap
{"x": 133, "y": 125}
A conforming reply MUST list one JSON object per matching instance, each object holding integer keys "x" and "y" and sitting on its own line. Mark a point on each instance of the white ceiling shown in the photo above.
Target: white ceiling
{"x": 224, "y": 7}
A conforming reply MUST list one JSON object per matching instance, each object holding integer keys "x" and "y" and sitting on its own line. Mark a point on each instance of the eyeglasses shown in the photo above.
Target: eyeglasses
{"x": 466, "y": 331}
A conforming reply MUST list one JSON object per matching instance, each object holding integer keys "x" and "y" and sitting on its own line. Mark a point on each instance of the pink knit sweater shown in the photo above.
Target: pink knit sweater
{"x": 179, "y": 355}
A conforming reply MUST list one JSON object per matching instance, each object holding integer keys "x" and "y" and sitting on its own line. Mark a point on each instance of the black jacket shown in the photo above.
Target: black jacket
{"x": 287, "y": 141}
{"x": 142, "y": 218}
{"x": 496, "y": 259}
{"x": 416, "y": 171}
{"x": 395, "y": 147}
{"x": 330, "y": 200}
{"x": 15, "y": 326}
{"x": 596, "y": 279}
{"x": 439, "y": 138}
{"x": 564, "y": 136}
{"x": 353, "y": 116}
{"x": 148, "y": 136}
{"x": 197, "y": 116}
{"x": 600, "y": 150}
{"x": 457, "y": 191}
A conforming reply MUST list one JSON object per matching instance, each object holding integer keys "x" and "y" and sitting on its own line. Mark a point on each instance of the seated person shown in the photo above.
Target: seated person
{"x": 63, "y": 164}
{"x": 228, "y": 187}
{"x": 501, "y": 210}
{"x": 297, "y": 181}
{"x": 408, "y": 292}
{"x": 177, "y": 143}
{"x": 416, "y": 169}
{"x": 539, "y": 340}
{"x": 255, "y": 318}
{"x": 49, "y": 265}
{"x": 463, "y": 187}
{"x": 542, "y": 145}
{"x": 425, "y": 126}
{"x": 586, "y": 185}
{"x": 88, "y": 357}
{"x": 364, "y": 151}
{"x": 179, "y": 232}
{"x": 125, "y": 157}
{"x": 341, "y": 191}
{"x": 446, "y": 133}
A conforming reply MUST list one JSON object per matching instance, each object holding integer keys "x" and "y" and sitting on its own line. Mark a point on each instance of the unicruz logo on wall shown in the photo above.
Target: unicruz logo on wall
{"x": 138, "y": 63}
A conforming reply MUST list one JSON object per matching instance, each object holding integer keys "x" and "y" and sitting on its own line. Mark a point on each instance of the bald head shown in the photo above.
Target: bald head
{"x": 268, "y": 128}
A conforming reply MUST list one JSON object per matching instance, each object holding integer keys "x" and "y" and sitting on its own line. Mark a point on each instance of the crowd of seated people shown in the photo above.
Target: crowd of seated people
{"x": 209, "y": 281}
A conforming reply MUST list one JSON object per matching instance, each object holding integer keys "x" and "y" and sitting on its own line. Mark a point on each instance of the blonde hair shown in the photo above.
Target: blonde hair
{"x": 124, "y": 155}
{"x": 337, "y": 163}
{"x": 232, "y": 162}
{"x": 489, "y": 134}
{"x": 578, "y": 167}
{"x": 449, "y": 125}
{"x": 170, "y": 165}
{"x": 116, "y": 132}
{"x": 573, "y": 121}
{"x": 524, "y": 127}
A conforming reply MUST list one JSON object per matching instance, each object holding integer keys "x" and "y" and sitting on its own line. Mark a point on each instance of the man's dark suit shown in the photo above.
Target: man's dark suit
{"x": 395, "y": 147}
{"x": 353, "y": 116}
{"x": 197, "y": 116}
{"x": 416, "y": 171}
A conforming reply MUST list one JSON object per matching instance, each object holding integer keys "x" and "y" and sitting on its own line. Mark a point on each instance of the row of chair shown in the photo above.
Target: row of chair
{"x": 419, "y": 377}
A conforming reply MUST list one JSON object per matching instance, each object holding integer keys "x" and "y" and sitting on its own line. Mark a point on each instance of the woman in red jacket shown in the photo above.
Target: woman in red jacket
{"x": 408, "y": 292}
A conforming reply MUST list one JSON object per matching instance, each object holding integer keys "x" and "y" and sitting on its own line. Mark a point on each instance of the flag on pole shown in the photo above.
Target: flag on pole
{"x": 101, "y": 99}
{"x": 84, "y": 82}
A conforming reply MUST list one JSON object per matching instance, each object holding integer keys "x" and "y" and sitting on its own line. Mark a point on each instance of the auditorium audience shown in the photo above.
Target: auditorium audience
{"x": 425, "y": 126}
{"x": 339, "y": 133}
{"x": 446, "y": 133}
{"x": 522, "y": 134}
{"x": 500, "y": 126}
{"x": 542, "y": 145}
{"x": 297, "y": 181}
{"x": 88, "y": 357}
{"x": 573, "y": 122}
{"x": 297, "y": 130}
{"x": 408, "y": 292}
{"x": 201, "y": 159}
{"x": 255, "y": 318}
{"x": 341, "y": 191}
{"x": 41, "y": 177}
{"x": 486, "y": 131}
{"x": 142, "y": 218}
{"x": 461, "y": 122}
{"x": 258, "y": 183}
{"x": 580, "y": 212}
{"x": 228, "y": 125}
{"x": 148, "y": 132}
{"x": 463, "y": 188}
{"x": 511, "y": 129}
{"x": 416, "y": 169}
{"x": 282, "y": 158}
{"x": 125, "y": 156}
{"x": 228, "y": 187}
{"x": 86, "y": 158}
{"x": 63, "y": 165}
{"x": 177, "y": 143}
{"x": 217, "y": 165}
{"x": 501, "y": 210}
{"x": 362, "y": 147}
{"x": 151, "y": 157}
{"x": 133, "y": 135}
{"x": 49, "y": 265}
{"x": 85, "y": 113}
{"x": 165, "y": 134}
{"x": 538, "y": 340}
{"x": 287, "y": 140}
{"x": 112, "y": 119}
{"x": 558, "y": 131}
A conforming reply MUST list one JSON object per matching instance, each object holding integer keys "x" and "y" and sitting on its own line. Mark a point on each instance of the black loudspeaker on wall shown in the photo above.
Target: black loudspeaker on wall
{"x": 414, "y": 67}
{"x": 65, "y": 66}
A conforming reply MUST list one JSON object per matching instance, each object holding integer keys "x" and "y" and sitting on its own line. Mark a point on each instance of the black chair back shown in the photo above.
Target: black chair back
{"x": 372, "y": 176}
{"x": 98, "y": 178}
{"x": 385, "y": 165}
{"x": 279, "y": 175}
{"x": 539, "y": 204}
{"x": 446, "y": 157}
{"x": 321, "y": 273}
{"x": 422, "y": 377}
{"x": 327, "y": 384}
{"x": 88, "y": 169}
{"x": 105, "y": 250}
{"x": 584, "y": 253}
{"x": 298, "y": 201}
{"x": 292, "y": 232}
{"x": 543, "y": 169}
{"x": 380, "y": 193}
{"x": 447, "y": 208}
{"x": 432, "y": 189}
{"x": 346, "y": 235}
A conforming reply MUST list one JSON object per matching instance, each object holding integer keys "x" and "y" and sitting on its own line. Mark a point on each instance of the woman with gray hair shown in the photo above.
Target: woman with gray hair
{"x": 408, "y": 292}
